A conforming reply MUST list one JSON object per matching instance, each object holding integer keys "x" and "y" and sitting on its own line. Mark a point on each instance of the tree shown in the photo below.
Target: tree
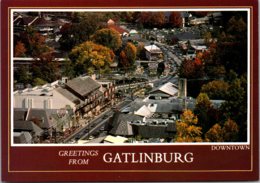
{"x": 175, "y": 19}
{"x": 233, "y": 46}
{"x": 128, "y": 56}
{"x": 187, "y": 129}
{"x": 230, "y": 131}
{"x": 235, "y": 106}
{"x": 108, "y": 37}
{"x": 140, "y": 52}
{"x": 45, "y": 67}
{"x": 68, "y": 69}
{"x": 152, "y": 19}
{"x": 190, "y": 69}
{"x": 20, "y": 49}
{"x": 160, "y": 69}
{"x": 33, "y": 41}
{"x": 84, "y": 24}
{"x": 227, "y": 133}
{"x": 21, "y": 75}
{"x": 206, "y": 113}
{"x": 216, "y": 89}
{"x": 215, "y": 134}
{"x": 89, "y": 57}
{"x": 38, "y": 82}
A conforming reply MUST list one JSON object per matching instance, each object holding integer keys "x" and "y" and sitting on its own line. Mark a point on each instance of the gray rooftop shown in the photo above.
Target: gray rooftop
{"x": 68, "y": 95}
{"x": 121, "y": 125}
{"x": 22, "y": 137}
{"x": 42, "y": 116}
{"x": 83, "y": 85}
{"x": 28, "y": 126}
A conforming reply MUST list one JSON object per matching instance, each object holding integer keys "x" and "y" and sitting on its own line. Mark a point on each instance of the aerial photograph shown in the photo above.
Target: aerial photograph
{"x": 129, "y": 77}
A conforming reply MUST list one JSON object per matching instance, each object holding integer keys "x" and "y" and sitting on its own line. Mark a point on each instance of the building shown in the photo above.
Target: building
{"x": 199, "y": 21}
{"x": 164, "y": 91}
{"x": 82, "y": 95}
{"x": 22, "y": 138}
{"x": 153, "y": 52}
{"x": 42, "y": 97}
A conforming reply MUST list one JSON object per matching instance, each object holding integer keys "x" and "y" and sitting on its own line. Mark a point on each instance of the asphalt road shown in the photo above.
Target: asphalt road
{"x": 95, "y": 124}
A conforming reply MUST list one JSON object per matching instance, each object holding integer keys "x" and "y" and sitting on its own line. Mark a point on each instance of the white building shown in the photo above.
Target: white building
{"x": 153, "y": 52}
{"x": 41, "y": 97}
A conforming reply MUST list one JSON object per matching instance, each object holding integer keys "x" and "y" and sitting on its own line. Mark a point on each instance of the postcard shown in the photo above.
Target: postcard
{"x": 129, "y": 91}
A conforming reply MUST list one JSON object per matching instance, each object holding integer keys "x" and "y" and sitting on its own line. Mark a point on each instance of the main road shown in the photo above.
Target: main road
{"x": 96, "y": 123}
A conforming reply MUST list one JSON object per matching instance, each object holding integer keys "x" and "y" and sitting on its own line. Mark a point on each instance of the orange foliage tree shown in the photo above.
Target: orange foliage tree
{"x": 227, "y": 133}
{"x": 187, "y": 131}
{"x": 215, "y": 134}
{"x": 19, "y": 49}
{"x": 128, "y": 56}
{"x": 152, "y": 19}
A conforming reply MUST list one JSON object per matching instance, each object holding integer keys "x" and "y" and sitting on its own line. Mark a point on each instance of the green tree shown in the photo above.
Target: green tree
{"x": 21, "y": 75}
{"x": 89, "y": 57}
{"x": 83, "y": 25}
{"x": 68, "y": 69}
{"x": 45, "y": 67}
{"x": 38, "y": 82}
{"x": 235, "y": 106}
{"x": 108, "y": 37}
{"x": 187, "y": 129}
{"x": 234, "y": 46}
{"x": 160, "y": 69}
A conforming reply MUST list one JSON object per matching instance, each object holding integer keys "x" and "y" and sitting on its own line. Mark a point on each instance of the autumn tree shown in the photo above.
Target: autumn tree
{"x": 216, "y": 89}
{"x": 215, "y": 134}
{"x": 205, "y": 112}
{"x": 230, "y": 131}
{"x": 175, "y": 19}
{"x": 33, "y": 41}
{"x": 227, "y": 133}
{"x": 187, "y": 129}
{"x": 140, "y": 52}
{"x": 20, "y": 49}
{"x": 128, "y": 56}
{"x": 191, "y": 69}
{"x": 45, "y": 67}
{"x": 152, "y": 19}
{"x": 108, "y": 37}
{"x": 89, "y": 57}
